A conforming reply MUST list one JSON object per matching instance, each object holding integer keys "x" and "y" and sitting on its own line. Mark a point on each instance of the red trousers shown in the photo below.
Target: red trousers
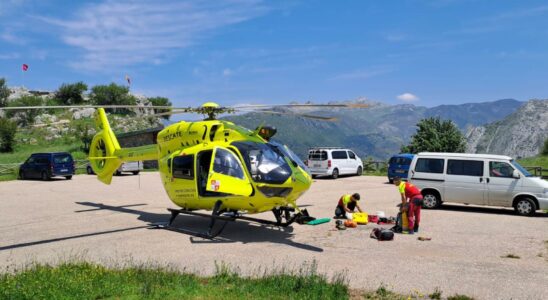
{"x": 414, "y": 212}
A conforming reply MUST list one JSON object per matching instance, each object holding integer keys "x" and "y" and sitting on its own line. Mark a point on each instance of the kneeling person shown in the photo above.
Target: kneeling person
{"x": 347, "y": 204}
{"x": 411, "y": 198}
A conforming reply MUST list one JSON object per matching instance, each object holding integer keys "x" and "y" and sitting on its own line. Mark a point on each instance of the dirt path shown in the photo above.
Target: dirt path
{"x": 59, "y": 220}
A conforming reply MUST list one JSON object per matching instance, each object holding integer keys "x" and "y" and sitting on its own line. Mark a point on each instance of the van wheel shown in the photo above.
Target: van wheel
{"x": 430, "y": 200}
{"x": 360, "y": 171}
{"x": 135, "y": 172}
{"x": 45, "y": 176}
{"x": 391, "y": 181}
{"x": 89, "y": 170}
{"x": 525, "y": 207}
{"x": 68, "y": 177}
{"x": 22, "y": 175}
{"x": 335, "y": 174}
{"x": 314, "y": 176}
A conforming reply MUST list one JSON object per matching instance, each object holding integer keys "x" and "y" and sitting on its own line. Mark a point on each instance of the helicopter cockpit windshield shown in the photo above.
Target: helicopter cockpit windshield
{"x": 291, "y": 155}
{"x": 264, "y": 162}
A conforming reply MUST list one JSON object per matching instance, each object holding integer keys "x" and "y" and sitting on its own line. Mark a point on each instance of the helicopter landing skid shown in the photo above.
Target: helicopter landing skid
{"x": 284, "y": 212}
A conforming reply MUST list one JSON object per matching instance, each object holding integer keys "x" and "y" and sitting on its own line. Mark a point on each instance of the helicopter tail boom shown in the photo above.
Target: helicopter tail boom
{"x": 105, "y": 153}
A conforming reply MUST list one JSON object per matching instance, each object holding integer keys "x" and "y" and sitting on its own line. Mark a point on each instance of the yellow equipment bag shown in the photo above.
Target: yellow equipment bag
{"x": 360, "y": 218}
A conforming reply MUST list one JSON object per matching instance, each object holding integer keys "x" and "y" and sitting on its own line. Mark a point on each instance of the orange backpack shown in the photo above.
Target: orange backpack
{"x": 350, "y": 224}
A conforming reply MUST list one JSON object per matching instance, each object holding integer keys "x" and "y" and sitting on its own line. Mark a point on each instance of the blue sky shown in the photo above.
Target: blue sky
{"x": 249, "y": 51}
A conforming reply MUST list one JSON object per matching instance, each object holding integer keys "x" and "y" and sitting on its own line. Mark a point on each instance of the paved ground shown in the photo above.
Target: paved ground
{"x": 58, "y": 220}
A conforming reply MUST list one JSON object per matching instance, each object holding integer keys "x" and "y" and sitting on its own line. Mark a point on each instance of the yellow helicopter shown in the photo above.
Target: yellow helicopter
{"x": 214, "y": 165}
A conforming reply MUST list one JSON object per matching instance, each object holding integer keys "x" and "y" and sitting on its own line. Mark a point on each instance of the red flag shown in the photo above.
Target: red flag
{"x": 25, "y": 67}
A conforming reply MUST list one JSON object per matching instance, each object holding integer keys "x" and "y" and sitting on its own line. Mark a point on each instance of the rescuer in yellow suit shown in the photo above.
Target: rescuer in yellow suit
{"x": 347, "y": 204}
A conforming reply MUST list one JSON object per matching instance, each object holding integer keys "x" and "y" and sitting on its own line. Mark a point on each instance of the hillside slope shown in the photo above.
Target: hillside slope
{"x": 377, "y": 131}
{"x": 521, "y": 133}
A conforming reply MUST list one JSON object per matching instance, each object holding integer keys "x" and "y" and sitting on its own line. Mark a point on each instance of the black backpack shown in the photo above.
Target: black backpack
{"x": 398, "y": 228}
{"x": 382, "y": 234}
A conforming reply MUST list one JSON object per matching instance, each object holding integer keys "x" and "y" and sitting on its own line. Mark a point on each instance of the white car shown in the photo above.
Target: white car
{"x": 480, "y": 179}
{"x": 133, "y": 166}
{"x": 328, "y": 161}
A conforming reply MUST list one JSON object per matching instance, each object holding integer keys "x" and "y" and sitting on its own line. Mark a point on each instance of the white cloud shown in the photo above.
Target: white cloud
{"x": 408, "y": 97}
{"x": 7, "y": 6}
{"x": 363, "y": 74}
{"x": 10, "y": 56}
{"x": 115, "y": 34}
{"x": 227, "y": 72}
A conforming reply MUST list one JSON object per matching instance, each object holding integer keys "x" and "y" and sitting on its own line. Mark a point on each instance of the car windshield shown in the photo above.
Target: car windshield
{"x": 264, "y": 162}
{"x": 400, "y": 161}
{"x": 62, "y": 158}
{"x": 290, "y": 154}
{"x": 520, "y": 168}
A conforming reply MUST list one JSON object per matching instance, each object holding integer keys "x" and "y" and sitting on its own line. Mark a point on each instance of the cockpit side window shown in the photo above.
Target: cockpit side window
{"x": 227, "y": 163}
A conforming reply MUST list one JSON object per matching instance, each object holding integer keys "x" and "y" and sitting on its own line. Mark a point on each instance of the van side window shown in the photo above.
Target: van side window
{"x": 339, "y": 155}
{"x": 465, "y": 167}
{"x": 429, "y": 165}
{"x": 352, "y": 155}
{"x": 183, "y": 167}
{"x": 500, "y": 169}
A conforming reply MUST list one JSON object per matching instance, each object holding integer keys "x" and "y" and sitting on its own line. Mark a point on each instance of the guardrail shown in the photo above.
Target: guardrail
{"x": 13, "y": 169}
{"x": 375, "y": 165}
{"x": 8, "y": 169}
{"x": 538, "y": 171}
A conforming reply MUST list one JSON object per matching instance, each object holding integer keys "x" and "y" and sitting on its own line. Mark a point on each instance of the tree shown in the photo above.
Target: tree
{"x": 436, "y": 135}
{"x": 161, "y": 101}
{"x": 112, "y": 94}
{"x": 545, "y": 148}
{"x": 71, "y": 94}
{"x": 25, "y": 117}
{"x": 4, "y": 93}
{"x": 8, "y": 129}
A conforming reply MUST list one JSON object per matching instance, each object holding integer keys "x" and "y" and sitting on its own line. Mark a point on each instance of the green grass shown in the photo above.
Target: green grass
{"x": 382, "y": 293}
{"x": 375, "y": 173}
{"x": 90, "y": 281}
{"x": 537, "y": 161}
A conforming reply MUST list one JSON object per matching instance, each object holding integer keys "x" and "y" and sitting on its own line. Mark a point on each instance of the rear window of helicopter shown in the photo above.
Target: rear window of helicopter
{"x": 183, "y": 167}
{"x": 264, "y": 162}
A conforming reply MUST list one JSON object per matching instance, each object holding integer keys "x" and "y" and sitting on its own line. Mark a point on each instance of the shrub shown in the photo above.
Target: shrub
{"x": 71, "y": 94}
{"x": 8, "y": 129}
{"x": 112, "y": 94}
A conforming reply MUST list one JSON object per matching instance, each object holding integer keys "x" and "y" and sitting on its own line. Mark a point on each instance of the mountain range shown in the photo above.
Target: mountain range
{"x": 379, "y": 130}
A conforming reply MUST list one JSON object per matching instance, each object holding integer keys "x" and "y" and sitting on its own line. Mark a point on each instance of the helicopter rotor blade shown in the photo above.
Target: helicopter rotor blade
{"x": 259, "y": 106}
{"x": 92, "y": 106}
{"x": 315, "y": 117}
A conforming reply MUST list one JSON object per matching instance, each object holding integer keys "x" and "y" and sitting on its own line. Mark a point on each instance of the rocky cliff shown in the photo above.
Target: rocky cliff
{"x": 520, "y": 134}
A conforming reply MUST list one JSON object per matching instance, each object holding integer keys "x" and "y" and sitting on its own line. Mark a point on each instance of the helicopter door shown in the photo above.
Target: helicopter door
{"x": 226, "y": 174}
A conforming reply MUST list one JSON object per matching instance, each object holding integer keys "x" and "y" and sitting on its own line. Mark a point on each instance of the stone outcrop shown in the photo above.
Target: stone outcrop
{"x": 521, "y": 134}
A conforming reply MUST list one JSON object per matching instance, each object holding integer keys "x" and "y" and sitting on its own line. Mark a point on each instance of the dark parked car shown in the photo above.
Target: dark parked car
{"x": 47, "y": 165}
{"x": 398, "y": 165}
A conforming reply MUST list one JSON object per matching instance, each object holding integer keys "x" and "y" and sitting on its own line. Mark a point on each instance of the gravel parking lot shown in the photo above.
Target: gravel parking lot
{"x": 61, "y": 220}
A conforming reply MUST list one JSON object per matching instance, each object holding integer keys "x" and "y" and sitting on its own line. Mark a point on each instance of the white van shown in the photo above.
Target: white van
{"x": 480, "y": 179}
{"x": 330, "y": 161}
